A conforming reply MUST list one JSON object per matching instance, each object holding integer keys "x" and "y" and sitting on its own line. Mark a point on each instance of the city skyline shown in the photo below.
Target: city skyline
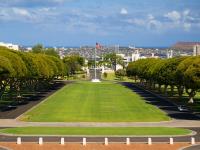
{"x": 75, "y": 22}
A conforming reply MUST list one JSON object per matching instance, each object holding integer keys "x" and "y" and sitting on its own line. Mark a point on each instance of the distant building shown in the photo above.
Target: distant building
{"x": 196, "y": 50}
{"x": 61, "y": 54}
{"x": 135, "y": 56}
{"x": 10, "y": 46}
{"x": 170, "y": 54}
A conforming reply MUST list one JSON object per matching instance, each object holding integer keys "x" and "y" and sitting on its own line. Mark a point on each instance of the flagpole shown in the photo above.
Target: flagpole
{"x": 95, "y": 65}
{"x": 95, "y": 74}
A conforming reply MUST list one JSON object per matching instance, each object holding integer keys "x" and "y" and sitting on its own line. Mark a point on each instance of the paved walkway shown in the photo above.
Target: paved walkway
{"x": 173, "y": 123}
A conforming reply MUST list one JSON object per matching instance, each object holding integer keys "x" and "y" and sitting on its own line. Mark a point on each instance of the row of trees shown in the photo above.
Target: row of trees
{"x": 30, "y": 71}
{"x": 73, "y": 62}
{"x": 181, "y": 72}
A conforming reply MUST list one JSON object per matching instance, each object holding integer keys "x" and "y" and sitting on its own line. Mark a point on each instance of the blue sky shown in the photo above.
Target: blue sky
{"x": 83, "y": 22}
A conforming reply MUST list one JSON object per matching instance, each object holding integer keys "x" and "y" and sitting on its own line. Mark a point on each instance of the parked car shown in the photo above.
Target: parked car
{"x": 183, "y": 108}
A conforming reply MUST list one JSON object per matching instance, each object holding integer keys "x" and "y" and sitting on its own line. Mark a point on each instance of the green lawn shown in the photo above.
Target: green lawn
{"x": 95, "y": 102}
{"x": 131, "y": 131}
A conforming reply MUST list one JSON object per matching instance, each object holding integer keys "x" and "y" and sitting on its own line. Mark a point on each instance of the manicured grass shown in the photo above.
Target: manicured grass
{"x": 95, "y": 102}
{"x": 96, "y": 131}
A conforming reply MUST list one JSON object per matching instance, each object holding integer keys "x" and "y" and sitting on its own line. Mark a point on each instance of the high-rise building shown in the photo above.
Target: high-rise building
{"x": 196, "y": 50}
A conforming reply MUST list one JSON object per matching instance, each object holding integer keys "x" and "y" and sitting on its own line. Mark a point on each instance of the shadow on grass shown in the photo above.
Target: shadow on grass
{"x": 168, "y": 107}
{"x": 11, "y": 109}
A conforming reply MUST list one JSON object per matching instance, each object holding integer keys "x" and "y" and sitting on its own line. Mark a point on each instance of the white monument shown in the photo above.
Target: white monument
{"x": 95, "y": 68}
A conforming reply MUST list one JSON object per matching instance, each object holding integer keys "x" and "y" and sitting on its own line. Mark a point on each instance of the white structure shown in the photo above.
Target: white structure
{"x": 106, "y": 141}
{"x": 119, "y": 66}
{"x": 135, "y": 56}
{"x": 29, "y": 49}
{"x": 149, "y": 141}
{"x": 19, "y": 140}
{"x": 10, "y": 46}
{"x": 128, "y": 141}
{"x": 193, "y": 141}
{"x": 40, "y": 142}
{"x": 61, "y": 54}
{"x": 84, "y": 142}
{"x": 171, "y": 141}
{"x": 170, "y": 54}
{"x": 196, "y": 50}
{"x": 62, "y": 141}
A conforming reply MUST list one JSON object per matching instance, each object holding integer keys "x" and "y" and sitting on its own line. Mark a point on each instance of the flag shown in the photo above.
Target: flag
{"x": 98, "y": 46}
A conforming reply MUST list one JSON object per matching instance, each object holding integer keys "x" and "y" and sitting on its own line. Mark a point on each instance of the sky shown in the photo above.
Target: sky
{"x": 109, "y": 22}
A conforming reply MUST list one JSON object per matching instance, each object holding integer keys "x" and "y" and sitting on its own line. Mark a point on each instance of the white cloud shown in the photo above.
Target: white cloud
{"x": 31, "y": 3}
{"x": 182, "y": 19}
{"x": 136, "y": 21}
{"x": 150, "y": 17}
{"x": 174, "y": 15}
{"x": 154, "y": 24}
{"x": 186, "y": 12}
{"x": 21, "y": 12}
{"x": 34, "y": 15}
{"x": 187, "y": 26}
{"x": 14, "y": 14}
{"x": 123, "y": 11}
{"x": 149, "y": 22}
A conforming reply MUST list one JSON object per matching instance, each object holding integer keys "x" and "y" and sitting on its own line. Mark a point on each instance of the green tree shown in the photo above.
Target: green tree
{"x": 120, "y": 73}
{"x": 189, "y": 69}
{"x": 38, "y": 48}
{"x": 74, "y": 63}
{"x": 52, "y": 52}
{"x": 112, "y": 59}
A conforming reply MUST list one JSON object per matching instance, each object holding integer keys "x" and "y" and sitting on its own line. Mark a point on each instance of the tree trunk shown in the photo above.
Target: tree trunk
{"x": 172, "y": 90}
{"x": 180, "y": 91}
{"x": 135, "y": 79}
{"x": 165, "y": 90}
{"x": 154, "y": 85}
{"x": 191, "y": 100}
{"x": 191, "y": 94}
{"x": 159, "y": 88}
{"x": 150, "y": 84}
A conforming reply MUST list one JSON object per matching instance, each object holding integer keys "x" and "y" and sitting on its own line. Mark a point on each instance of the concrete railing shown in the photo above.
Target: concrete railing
{"x": 106, "y": 141}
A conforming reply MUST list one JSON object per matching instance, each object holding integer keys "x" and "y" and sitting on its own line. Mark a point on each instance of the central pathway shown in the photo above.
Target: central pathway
{"x": 173, "y": 123}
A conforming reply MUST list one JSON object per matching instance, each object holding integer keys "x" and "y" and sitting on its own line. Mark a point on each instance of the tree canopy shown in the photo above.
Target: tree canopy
{"x": 182, "y": 72}
{"x": 19, "y": 69}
